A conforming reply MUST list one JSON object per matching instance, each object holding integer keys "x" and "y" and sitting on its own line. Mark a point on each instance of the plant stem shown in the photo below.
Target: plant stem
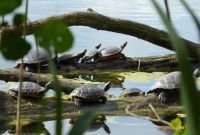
{"x": 57, "y": 87}
{"x": 18, "y": 125}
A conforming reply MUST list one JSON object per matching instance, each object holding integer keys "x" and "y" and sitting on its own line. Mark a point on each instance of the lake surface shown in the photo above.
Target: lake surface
{"x": 136, "y": 10}
{"x": 86, "y": 38}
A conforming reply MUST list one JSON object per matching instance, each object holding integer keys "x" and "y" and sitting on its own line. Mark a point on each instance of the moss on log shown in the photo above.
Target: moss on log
{"x": 112, "y": 107}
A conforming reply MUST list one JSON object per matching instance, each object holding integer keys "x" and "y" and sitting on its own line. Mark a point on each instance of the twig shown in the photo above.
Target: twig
{"x": 157, "y": 116}
{"x": 146, "y": 118}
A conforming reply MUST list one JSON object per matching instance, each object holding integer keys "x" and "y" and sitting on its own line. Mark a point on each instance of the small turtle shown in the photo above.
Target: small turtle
{"x": 90, "y": 93}
{"x": 70, "y": 58}
{"x": 167, "y": 87}
{"x": 30, "y": 90}
{"x": 31, "y": 60}
{"x": 110, "y": 53}
{"x": 133, "y": 92}
{"x": 91, "y": 54}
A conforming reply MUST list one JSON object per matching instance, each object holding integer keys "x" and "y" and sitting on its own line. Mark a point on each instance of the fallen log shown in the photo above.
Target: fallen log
{"x": 101, "y": 22}
{"x": 139, "y": 106}
{"x": 13, "y": 75}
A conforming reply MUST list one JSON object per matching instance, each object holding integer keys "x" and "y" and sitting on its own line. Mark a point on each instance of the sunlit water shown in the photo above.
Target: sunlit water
{"x": 86, "y": 38}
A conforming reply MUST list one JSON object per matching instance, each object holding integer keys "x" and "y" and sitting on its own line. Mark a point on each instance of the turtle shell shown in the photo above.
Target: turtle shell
{"x": 65, "y": 58}
{"x": 70, "y": 58}
{"x": 28, "y": 89}
{"x": 170, "y": 81}
{"x": 112, "y": 50}
{"x": 31, "y": 58}
{"x": 88, "y": 92}
{"x": 132, "y": 92}
{"x": 92, "y": 52}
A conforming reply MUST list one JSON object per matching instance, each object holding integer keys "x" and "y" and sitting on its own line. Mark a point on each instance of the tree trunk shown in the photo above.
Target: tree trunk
{"x": 101, "y": 22}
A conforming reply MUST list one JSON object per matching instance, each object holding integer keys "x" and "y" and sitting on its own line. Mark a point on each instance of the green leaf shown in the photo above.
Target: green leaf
{"x": 83, "y": 122}
{"x": 7, "y": 6}
{"x": 13, "y": 47}
{"x": 176, "y": 124}
{"x": 56, "y": 34}
{"x": 188, "y": 89}
{"x": 18, "y": 19}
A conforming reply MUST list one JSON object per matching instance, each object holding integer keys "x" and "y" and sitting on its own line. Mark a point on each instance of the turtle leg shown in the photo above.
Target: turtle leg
{"x": 123, "y": 57}
{"x": 103, "y": 100}
{"x": 78, "y": 102}
{"x": 13, "y": 94}
{"x": 163, "y": 97}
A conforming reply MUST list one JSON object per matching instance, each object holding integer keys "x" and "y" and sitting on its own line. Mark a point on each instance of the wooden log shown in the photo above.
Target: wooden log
{"x": 101, "y": 22}
{"x": 112, "y": 107}
{"x": 13, "y": 75}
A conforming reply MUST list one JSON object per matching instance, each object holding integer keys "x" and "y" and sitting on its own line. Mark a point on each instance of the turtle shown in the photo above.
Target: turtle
{"x": 70, "y": 58}
{"x": 167, "y": 87}
{"x": 91, "y": 54}
{"x": 30, "y": 90}
{"x": 96, "y": 123}
{"x": 133, "y": 92}
{"x": 32, "y": 128}
{"x": 110, "y": 53}
{"x": 90, "y": 93}
{"x": 31, "y": 60}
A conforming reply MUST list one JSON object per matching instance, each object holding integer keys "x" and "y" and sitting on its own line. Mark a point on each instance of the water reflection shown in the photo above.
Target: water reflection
{"x": 97, "y": 123}
{"x": 118, "y": 125}
{"x": 115, "y": 125}
{"x": 29, "y": 129}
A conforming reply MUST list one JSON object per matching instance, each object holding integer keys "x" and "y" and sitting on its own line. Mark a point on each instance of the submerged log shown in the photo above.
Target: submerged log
{"x": 112, "y": 107}
{"x": 101, "y": 22}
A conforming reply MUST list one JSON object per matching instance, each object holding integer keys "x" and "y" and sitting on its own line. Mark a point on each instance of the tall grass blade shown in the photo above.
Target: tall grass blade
{"x": 188, "y": 89}
{"x": 194, "y": 17}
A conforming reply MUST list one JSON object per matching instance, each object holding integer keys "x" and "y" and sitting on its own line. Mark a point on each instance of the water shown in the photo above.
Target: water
{"x": 116, "y": 125}
{"x": 86, "y": 38}
{"x": 139, "y": 11}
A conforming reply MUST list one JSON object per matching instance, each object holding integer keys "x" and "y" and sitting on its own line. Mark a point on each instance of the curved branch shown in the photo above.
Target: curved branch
{"x": 101, "y": 22}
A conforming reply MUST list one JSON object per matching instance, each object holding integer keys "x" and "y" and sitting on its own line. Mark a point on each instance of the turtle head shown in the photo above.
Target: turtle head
{"x": 98, "y": 46}
{"x": 196, "y": 73}
{"x": 124, "y": 45}
{"x": 82, "y": 53}
{"x": 107, "y": 86}
{"x": 48, "y": 85}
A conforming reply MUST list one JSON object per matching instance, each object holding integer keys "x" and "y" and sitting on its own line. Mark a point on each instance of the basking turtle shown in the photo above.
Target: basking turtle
{"x": 91, "y": 54}
{"x": 97, "y": 123}
{"x": 133, "y": 92}
{"x": 70, "y": 58}
{"x": 167, "y": 87}
{"x": 110, "y": 53}
{"x": 30, "y": 89}
{"x": 90, "y": 93}
{"x": 31, "y": 60}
